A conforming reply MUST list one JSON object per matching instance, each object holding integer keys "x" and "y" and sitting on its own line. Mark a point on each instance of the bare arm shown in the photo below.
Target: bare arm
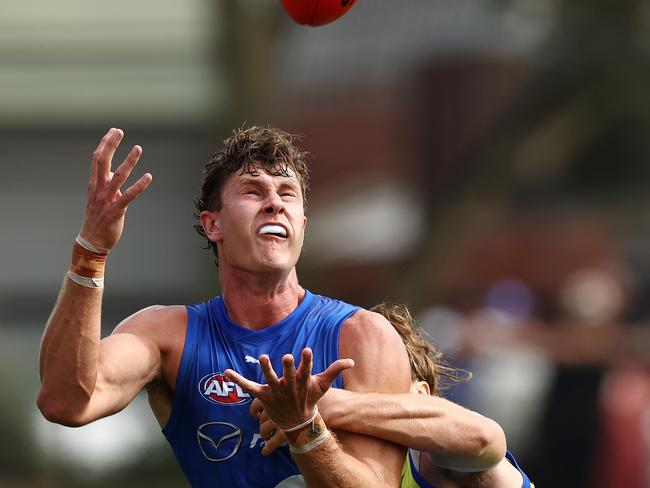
{"x": 82, "y": 377}
{"x": 456, "y": 438}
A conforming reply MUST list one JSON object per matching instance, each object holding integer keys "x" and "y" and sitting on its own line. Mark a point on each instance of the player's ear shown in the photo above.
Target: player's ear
{"x": 304, "y": 226}
{"x": 211, "y": 225}
{"x": 420, "y": 387}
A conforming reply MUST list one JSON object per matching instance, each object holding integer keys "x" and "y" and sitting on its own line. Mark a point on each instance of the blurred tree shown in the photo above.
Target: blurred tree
{"x": 574, "y": 126}
{"x": 245, "y": 55}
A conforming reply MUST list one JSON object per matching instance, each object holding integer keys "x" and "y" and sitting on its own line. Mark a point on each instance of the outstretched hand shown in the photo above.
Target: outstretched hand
{"x": 274, "y": 437}
{"x": 291, "y": 400}
{"x": 107, "y": 204}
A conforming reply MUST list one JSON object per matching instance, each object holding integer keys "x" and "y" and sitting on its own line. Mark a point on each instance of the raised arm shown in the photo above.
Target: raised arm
{"x": 82, "y": 377}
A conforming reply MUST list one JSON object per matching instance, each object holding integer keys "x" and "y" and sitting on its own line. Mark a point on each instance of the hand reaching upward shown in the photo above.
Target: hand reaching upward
{"x": 106, "y": 205}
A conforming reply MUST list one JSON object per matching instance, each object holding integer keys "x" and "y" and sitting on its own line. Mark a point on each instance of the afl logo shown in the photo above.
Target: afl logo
{"x": 217, "y": 388}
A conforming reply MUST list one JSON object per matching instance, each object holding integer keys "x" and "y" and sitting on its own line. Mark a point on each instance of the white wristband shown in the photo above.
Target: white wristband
{"x": 88, "y": 246}
{"x": 310, "y": 445}
{"x": 304, "y": 424}
{"x": 87, "y": 282}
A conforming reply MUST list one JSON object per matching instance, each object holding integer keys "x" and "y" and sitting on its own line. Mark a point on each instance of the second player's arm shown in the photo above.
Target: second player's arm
{"x": 455, "y": 437}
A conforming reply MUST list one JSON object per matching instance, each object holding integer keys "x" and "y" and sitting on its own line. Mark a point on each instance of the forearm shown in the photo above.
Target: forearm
{"x": 328, "y": 465}
{"x": 421, "y": 422}
{"x": 70, "y": 349}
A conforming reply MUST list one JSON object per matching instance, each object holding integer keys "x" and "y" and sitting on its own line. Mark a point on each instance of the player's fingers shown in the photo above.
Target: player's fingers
{"x": 263, "y": 417}
{"x": 328, "y": 376}
{"x": 103, "y": 155}
{"x": 306, "y": 364}
{"x": 278, "y": 439}
{"x": 135, "y": 190}
{"x": 247, "y": 385}
{"x": 268, "y": 429}
{"x": 256, "y": 408}
{"x": 288, "y": 368}
{"x": 93, "y": 160}
{"x": 267, "y": 369}
{"x": 124, "y": 170}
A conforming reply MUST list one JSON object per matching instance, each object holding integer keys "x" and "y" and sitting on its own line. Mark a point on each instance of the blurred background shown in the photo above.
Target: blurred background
{"x": 486, "y": 162}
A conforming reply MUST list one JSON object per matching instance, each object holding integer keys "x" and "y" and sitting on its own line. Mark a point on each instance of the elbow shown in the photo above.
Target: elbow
{"x": 490, "y": 444}
{"x": 57, "y": 411}
{"x": 481, "y": 446}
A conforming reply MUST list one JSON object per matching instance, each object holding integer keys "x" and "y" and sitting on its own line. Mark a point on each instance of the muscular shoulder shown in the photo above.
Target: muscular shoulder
{"x": 368, "y": 326}
{"x": 381, "y": 361}
{"x": 157, "y": 323}
{"x": 162, "y": 328}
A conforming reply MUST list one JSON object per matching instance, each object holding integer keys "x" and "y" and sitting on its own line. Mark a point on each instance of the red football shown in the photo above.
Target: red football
{"x": 316, "y": 12}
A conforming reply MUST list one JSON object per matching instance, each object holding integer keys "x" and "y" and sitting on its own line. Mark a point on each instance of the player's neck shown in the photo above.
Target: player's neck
{"x": 257, "y": 302}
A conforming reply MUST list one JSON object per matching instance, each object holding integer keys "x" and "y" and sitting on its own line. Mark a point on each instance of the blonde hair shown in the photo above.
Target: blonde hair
{"x": 427, "y": 363}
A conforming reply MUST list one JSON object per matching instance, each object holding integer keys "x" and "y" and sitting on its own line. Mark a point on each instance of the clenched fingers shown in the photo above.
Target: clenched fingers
{"x": 278, "y": 440}
{"x": 263, "y": 417}
{"x": 256, "y": 408}
{"x": 270, "y": 445}
{"x": 268, "y": 429}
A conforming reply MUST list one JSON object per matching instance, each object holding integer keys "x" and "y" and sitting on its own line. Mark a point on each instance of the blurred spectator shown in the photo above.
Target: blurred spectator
{"x": 545, "y": 325}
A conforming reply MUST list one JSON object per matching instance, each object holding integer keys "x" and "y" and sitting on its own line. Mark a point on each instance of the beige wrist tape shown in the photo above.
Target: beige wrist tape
{"x": 310, "y": 445}
{"x": 88, "y": 282}
{"x": 305, "y": 423}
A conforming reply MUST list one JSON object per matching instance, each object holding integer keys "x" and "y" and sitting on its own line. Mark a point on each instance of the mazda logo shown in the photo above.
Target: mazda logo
{"x": 218, "y": 441}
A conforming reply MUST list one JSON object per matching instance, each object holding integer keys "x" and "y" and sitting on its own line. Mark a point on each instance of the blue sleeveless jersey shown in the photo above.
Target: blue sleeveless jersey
{"x": 211, "y": 431}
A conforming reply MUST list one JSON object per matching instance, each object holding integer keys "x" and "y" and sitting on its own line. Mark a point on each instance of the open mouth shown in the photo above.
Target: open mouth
{"x": 273, "y": 230}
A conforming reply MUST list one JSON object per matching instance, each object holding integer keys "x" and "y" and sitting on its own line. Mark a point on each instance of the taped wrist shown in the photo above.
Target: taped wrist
{"x": 308, "y": 436}
{"x": 87, "y": 266}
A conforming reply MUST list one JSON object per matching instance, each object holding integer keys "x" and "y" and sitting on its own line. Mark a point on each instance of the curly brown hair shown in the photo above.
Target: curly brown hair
{"x": 427, "y": 363}
{"x": 249, "y": 150}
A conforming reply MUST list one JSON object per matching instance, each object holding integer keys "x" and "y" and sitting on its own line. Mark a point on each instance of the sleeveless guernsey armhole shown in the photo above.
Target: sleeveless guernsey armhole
{"x": 181, "y": 377}
{"x": 526, "y": 483}
{"x": 338, "y": 382}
